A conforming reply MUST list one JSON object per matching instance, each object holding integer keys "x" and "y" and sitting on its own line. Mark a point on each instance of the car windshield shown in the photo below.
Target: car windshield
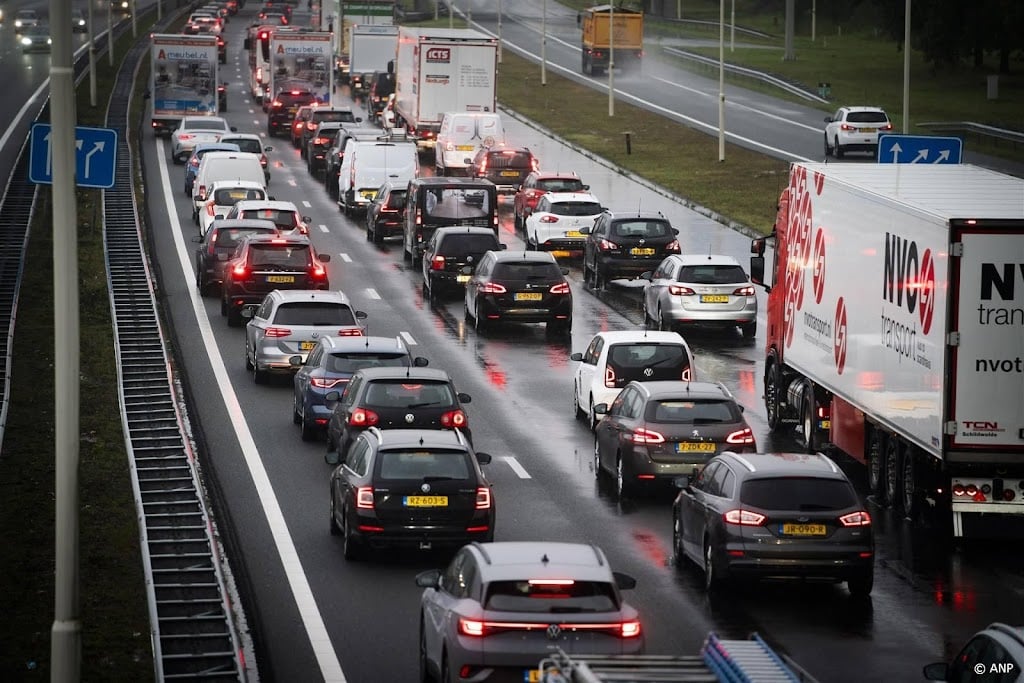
{"x": 229, "y": 195}
{"x": 641, "y": 228}
{"x": 433, "y": 465}
{"x": 284, "y": 218}
{"x": 575, "y": 208}
{"x": 337, "y": 116}
{"x": 526, "y": 270}
{"x": 866, "y": 117}
{"x": 560, "y": 185}
{"x": 692, "y": 412}
{"x": 550, "y": 597}
{"x": 460, "y": 245}
{"x": 230, "y": 237}
{"x": 804, "y": 494}
{"x": 294, "y": 256}
{"x": 409, "y": 394}
{"x": 314, "y": 313}
{"x": 712, "y": 274}
{"x": 351, "y": 362}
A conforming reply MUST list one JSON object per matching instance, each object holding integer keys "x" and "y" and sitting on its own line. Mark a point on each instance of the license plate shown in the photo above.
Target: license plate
{"x": 695, "y": 447}
{"x": 560, "y": 253}
{"x": 804, "y": 529}
{"x": 465, "y": 148}
{"x": 642, "y": 251}
{"x": 462, "y": 278}
{"x": 306, "y": 345}
{"x": 865, "y": 130}
{"x": 425, "y": 501}
{"x": 714, "y": 298}
{"x": 510, "y": 174}
{"x": 574, "y": 233}
{"x": 528, "y": 296}
{"x": 368, "y": 194}
{"x": 534, "y": 675}
{"x": 281, "y": 279}
{"x": 824, "y": 424}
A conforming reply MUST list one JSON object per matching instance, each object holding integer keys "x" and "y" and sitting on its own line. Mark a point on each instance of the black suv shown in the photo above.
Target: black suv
{"x": 219, "y": 243}
{"x": 281, "y": 110}
{"x": 319, "y": 143}
{"x": 451, "y": 256}
{"x": 323, "y": 115}
{"x": 410, "y": 487}
{"x": 626, "y": 245}
{"x": 506, "y": 167}
{"x": 263, "y": 263}
{"x": 384, "y": 215}
{"x": 527, "y": 287}
{"x": 336, "y": 154}
{"x": 395, "y": 398}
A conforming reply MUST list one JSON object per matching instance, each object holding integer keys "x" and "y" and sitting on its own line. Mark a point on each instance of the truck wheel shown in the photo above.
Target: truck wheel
{"x": 771, "y": 397}
{"x": 584, "y": 66}
{"x": 893, "y": 457}
{"x": 909, "y": 499}
{"x": 811, "y": 440}
{"x": 876, "y": 465}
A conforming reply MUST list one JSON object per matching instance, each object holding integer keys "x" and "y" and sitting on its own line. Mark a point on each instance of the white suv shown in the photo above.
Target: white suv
{"x": 855, "y": 129}
{"x": 614, "y": 359}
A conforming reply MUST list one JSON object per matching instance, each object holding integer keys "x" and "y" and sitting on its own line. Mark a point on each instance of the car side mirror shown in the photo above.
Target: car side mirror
{"x": 828, "y": 119}
{"x": 332, "y": 396}
{"x": 584, "y": 231}
{"x": 625, "y": 582}
{"x": 307, "y": 219}
{"x": 576, "y": 356}
{"x": 938, "y": 671}
{"x": 503, "y": 247}
{"x": 332, "y": 457}
{"x": 586, "y": 188}
{"x": 483, "y": 458}
{"x": 675, "y": 230}
{"x": 360, "y": 315}
{"x": 682, "y": 481}
{"x": 295, "y": 361}
{"x": 429, "y": 579}
{"x": 420, "y": 362}
{"x": 647, "y": 275}
{"x": 565, "y": 271}
{"x": 268, "y": 148}
{"x": 324, "y": 258}
{"x": 272, "y": 198}
{"x": 465, "y": 398}
{"x": 234, "y": 129}
{"x": 601, "y": 409}
{"x": 359, "y": 119}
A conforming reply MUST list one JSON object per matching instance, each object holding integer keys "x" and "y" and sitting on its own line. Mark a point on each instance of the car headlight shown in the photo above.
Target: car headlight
{"x": 81, "y": 22}
{"x": 26, "y": 41}
{"x": 17, "y": 24}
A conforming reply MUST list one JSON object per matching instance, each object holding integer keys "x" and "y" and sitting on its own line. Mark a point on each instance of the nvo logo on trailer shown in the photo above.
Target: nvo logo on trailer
{"x": 909, "y": 278}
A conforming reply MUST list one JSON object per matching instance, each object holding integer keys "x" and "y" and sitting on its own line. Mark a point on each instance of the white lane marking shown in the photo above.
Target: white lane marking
{"x": 312, "y": 619}
{"x": 306, "y": 204}
{"x": 345, "y": 257}
{"x": 291, "y": 181}
{"x": 323, "y": 228}
{"x": 255, "y": 121}
{"x": 520, "y": 471}
{"x": 408, "y": 338}
{"x": 372, "y": 293}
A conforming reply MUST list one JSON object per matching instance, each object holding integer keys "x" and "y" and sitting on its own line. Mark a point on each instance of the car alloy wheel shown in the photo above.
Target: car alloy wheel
{"x": 577, "y": 410}
{"x": 335, "y": 530}
{"x": 677, "y": 541}
{"x": 597, "y": 460}
{"x": 622, "y": 484}
{"x": 350, "y": 549}
{"x": 425, "y": 676}
{"x": 712, "y": 580}
{"x": 593, "y": 415}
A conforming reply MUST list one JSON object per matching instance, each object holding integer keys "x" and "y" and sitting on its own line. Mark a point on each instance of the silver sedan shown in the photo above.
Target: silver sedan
{"x": 194, "y": 130}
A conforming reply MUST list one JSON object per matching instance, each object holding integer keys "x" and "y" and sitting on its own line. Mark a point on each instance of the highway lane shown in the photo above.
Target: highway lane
{"x": 521, "y": 383}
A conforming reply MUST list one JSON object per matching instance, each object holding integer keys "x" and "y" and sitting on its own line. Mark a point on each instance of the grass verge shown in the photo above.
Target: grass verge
{"x": 115, "y": 624}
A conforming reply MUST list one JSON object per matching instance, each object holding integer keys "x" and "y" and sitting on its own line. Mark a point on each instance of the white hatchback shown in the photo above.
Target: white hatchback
{"x": 614, "y": 359}
{"x": 556, "y": 221}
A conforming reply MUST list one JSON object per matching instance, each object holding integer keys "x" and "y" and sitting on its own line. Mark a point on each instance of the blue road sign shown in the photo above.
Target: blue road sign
{"x": 919, "y": 149}
{"x": 95, "y": 156}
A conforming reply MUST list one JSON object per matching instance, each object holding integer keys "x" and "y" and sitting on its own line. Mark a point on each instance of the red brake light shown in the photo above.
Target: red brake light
{"x": 364, "y": 497}
{"x": 548, "y": 218}
{"x": 744, "y": 291}
{"x": 679, "y": 290}
{"x": 673, "y": 246}
{"x": 437, "y": 263}
{"x": 278, "y": 332}
{"x": 560, "y": 288}
{"x": 642, "y": 435}
{"x": 492, "y": 288}
{"x": 453, "y": 419}
{"x": 321, "y": 141}
{"x": 629, "y": 629}
{"x": 326, "y": 383}
{"x": 609, "y": 376}
{"x": 483, "y": 498}
{"x": 350, "y": 332}
{"x": 318, "y": 272}
{"x": 209, "y": 209}
{"x": 887, "y": 126}
{"x": 202, "y": 192}
{"x": 856, "y": 519}
{"x": 605, "y": 245}
{"x": 471, "y": 627}
{"x": 240, "y": 271}
{"x": 186, "y": 136}
{"x": 741, "y": 436}
{"x": 744, "y": 518}
{"x": 362, "y": 417}
{"x": 847, "y": 126}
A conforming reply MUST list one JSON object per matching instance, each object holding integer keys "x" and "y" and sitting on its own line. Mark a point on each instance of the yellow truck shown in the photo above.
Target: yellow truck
{"x": 624, "y": 43}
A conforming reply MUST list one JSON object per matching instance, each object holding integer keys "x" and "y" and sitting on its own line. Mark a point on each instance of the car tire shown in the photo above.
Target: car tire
{"x": 677, "y": 541}
{"x": 259, "y": 376}
{"x": 749, "y": 330}
{"x": 772, "y": 401}
{"x": 664, "y": 324}
{"x": 296, "y": 415}
{"x": 517, "y": 221}
{"x": 480, "y": 323}
{"x": 598, "y": 472}
{"x": 577, "y": 410}
{"x": 592, "y": 416}
{"x": 335, "y": 529}
{"x": 860, "y": 585}
{"x": 623, "y": 487}
{"x": 234, "y": 316}
{"x": 424, "y": 666}
{"x": 838, "y": 149}
{"x": 714, "y": 579}
{"x": 351, "y": 548}
{"x": 377, "y": 237}
{"x": 828, "y": 150}
{"x": 600, "y": 278}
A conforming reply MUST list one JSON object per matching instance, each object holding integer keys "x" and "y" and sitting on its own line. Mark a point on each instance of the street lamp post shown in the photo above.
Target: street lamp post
{"x": 499, "y": 31}
{"x": 732, "y": 28}
{"x": 544, "y": 45}
{"x": 906, "y": 68}
{"x": 721, "y": 80}
{"x": 611, "y": 60}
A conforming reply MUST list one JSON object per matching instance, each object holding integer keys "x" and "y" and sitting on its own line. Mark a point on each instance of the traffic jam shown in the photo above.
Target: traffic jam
{"x": 524, "y": 256}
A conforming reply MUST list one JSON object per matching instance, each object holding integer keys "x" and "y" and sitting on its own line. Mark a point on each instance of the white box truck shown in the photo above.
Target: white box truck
{"x": 440, "y": 70}
{"x": 370, "y": 49}
{"x": 301, "y": 59}
{"x": 895, "y": 332}
{"x": 182, "y": 79}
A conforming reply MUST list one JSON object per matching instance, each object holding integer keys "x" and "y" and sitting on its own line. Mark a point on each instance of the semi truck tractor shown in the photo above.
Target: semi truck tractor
{"x": 612, "y": 34}
{"x": 895, "y": 332}
{"x": 439, "y": 70}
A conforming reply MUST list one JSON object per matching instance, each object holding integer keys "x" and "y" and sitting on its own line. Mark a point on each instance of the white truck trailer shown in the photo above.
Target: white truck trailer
{"x": 182, "y": 79}
{"x": 440, "y": 70}
{"x": 895, "y": 331}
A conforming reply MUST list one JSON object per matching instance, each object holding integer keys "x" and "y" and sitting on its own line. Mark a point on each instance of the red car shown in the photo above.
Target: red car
{"x": 536, "y": 185}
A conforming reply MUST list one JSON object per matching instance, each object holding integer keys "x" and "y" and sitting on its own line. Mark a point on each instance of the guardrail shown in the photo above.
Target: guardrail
{"x": 768, "y": 79}
{"x": 971, "y": 127}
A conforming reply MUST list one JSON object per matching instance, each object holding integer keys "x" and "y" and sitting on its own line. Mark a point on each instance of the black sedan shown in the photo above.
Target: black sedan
{"x": 659, "y": 430}
{"x": 522, "y": 287}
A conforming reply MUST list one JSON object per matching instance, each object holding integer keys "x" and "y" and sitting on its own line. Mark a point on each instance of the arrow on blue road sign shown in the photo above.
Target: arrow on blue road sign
{"x": 919, "y": 149}
{"x": 95, "y": 156}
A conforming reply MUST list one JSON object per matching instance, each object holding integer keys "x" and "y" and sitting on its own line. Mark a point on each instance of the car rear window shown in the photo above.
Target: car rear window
{"x": 434, "y": 465}
{"x": 806, "y": 494}
{"x": 518, "y": 160}
{"x": 455, "y": 203}
{"x": 281, "y": 217}
{"x": 692, "y": 412}
{"x": 352, "y": 362}
{"x": 712, "y": 275}
{"x": 641, "y": 228}
{"x": 342, "y": 116}
{"x": 409, "y": 394}
{"x": 314, "y": 313}
{"x": 550, "y": 597}
{"x": 247, "y": 145}
{"x": 229, "y": 195}
{"x": 462, "y": 245}
{"x": 280, "y": 256}
{"x": 526, "y": 270}
{"x": 560, "y": 184}
{"x": 230, "y": 237}
{"x": 867, "y": 117}
{"x": 575, "y": 208}
{"x": 396, "y": 199}
{"x": 647, "y": 362}
{"x": 203, "y": 125}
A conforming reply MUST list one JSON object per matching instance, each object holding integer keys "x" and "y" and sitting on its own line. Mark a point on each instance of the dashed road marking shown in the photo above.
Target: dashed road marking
{"x": 408, "y": 338}
{"x": 323, "y": 228}
{"x": 345, "y": 257}
{"x": 306, "y": 204}
{"x": 520, "y": 471}
{"x": 372, "y": 293}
